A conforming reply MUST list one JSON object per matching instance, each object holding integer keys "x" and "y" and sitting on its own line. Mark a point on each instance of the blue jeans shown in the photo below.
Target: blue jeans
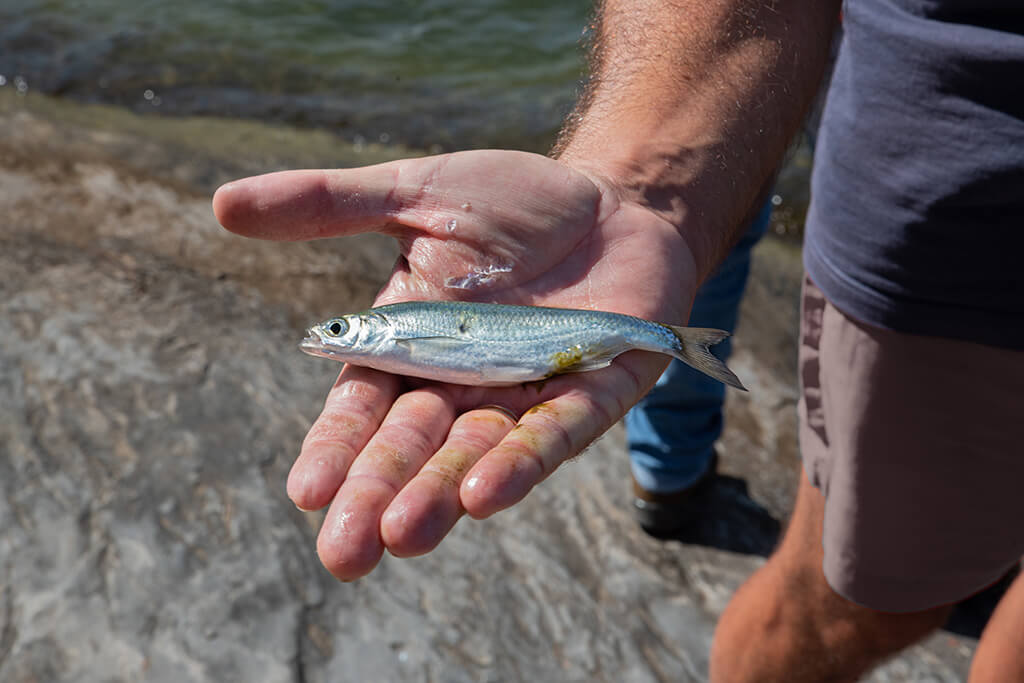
{"x": 672, "y": 430}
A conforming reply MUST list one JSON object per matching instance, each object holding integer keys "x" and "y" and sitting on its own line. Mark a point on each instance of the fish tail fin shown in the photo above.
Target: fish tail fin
{"x": 694, "y": 342}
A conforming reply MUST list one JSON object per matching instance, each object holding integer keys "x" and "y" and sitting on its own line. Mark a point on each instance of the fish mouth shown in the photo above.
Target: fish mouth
{"x": 313, "y": 344}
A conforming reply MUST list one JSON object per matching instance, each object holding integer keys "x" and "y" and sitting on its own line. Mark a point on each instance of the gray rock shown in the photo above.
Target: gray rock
{"x": 152, "y": 398}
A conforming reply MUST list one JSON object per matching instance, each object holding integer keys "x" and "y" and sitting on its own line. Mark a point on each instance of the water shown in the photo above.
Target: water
{"x": 439, "y": 74}
{"x": 427, "y": 75}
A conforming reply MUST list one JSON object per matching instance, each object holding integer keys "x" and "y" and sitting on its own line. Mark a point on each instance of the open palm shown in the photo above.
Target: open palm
{"x": 400, "y": 460}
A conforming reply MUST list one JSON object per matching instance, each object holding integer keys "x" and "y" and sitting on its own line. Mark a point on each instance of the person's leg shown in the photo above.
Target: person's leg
{"x": 911, "y": 451}
{"x": 1000, "y": 653}
{"x": 786, "y": 624}
{"x": 671, "y": 431}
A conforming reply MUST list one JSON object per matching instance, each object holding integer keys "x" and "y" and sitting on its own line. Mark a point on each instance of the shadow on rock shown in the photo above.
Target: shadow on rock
{"x": 727, "y": 518}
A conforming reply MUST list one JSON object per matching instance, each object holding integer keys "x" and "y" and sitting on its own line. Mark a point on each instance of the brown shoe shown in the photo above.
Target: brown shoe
{"x": 664, "y": 514}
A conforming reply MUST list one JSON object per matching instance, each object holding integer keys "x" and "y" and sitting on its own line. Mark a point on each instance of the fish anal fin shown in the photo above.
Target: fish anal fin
{"x": 578, "y": 358}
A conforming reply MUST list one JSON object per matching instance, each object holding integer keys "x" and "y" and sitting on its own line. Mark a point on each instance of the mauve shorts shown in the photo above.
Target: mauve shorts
{"x": 917, "y": 444}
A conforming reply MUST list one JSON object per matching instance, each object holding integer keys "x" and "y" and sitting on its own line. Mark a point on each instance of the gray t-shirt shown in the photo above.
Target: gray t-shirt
{"x": 916, "y": 221}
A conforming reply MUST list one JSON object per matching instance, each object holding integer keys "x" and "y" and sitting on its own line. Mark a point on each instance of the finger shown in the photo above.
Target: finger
{"x": 350, "y": 544}
{"x": 428, "y": 507}
{"x": 448, "y": 194}
{"x": 548, "y": 434}
{"x": 309, "y": 204}
{"x": 354, "y": 409}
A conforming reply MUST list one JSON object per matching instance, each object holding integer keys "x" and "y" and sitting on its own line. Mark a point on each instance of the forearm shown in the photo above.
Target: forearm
{"x": 692, "y": 104}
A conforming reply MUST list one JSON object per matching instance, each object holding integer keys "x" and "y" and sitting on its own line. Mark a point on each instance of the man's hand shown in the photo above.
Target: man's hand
{"x": 400, "y": 460}
{"x": 689, "y": 108}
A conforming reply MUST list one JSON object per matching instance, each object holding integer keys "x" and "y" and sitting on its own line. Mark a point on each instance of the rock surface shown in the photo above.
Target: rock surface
{"x": 152, "y": 398}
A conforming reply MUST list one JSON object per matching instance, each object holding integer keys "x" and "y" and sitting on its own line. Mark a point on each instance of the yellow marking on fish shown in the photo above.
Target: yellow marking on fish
{"x": 565, "y": 361}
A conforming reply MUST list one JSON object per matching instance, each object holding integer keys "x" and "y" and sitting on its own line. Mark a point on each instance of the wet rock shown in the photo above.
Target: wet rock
{"x": 152, "y": 398}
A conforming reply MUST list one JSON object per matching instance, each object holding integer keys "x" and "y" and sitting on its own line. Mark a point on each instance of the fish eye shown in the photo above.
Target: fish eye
{"x": 336, "y": 327}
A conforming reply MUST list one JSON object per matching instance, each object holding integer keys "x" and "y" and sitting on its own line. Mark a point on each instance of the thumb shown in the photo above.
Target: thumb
{"x": 312, "y": 204}
{"x": 518, "y": 193}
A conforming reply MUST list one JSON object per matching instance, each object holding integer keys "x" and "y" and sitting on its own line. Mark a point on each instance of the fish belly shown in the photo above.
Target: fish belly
{"x": 495, "y": 363}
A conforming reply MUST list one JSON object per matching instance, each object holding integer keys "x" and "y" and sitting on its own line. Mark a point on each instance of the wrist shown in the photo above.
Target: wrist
{"x": 620, "y": 205}
{"x": 691, "y": 105}
{"x": 676, "y": 183}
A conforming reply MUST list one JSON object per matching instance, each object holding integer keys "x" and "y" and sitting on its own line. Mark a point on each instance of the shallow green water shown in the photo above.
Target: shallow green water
{"x": 429, "y": 72}
{"x": 407, "y": 75}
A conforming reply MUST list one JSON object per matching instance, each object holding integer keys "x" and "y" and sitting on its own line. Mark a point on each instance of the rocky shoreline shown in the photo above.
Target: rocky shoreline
{"x": 152, "y": 398}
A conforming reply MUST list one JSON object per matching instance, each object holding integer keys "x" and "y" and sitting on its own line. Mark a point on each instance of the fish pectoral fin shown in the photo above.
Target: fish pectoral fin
{"x": 432, "y": 345}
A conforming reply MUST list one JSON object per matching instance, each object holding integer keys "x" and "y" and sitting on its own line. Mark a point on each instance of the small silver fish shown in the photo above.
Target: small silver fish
{"x": 499, "y": 345}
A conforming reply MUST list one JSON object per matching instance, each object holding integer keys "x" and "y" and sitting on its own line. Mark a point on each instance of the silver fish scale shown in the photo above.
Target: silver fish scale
{"x": 541, "y": 325}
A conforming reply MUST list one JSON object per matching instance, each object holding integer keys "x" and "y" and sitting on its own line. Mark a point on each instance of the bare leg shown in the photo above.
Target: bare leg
{"x": 786, "y": 624}
{"x": 1000, "y": 653}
